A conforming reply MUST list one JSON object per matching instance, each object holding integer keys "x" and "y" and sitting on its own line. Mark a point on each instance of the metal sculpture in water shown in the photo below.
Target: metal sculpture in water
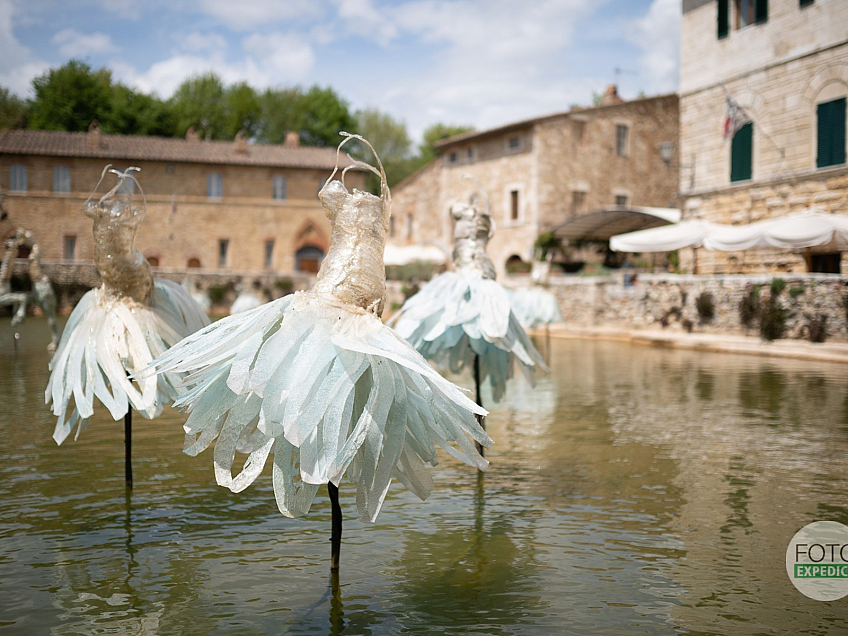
{"x": 119, "y": 327}
{"x": 318, "y": 380}
{"x": 462, "y": 319}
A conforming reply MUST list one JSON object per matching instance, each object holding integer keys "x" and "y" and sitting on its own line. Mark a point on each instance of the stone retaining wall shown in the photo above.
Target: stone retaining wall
{"x": 606, "y": 301}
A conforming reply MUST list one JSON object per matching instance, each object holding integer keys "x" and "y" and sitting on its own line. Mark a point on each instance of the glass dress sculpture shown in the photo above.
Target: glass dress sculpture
{"x": 119, "y": 327}
{"x": 465, "y": 314}
{"x": 316, "y": 379}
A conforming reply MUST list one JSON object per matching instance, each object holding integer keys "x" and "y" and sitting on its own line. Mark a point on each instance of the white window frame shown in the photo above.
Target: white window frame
{"x": 17, "y": 178}
{"x": 215, "y": 186}
{"x": 625, "y": 151}
{"x": 61, "y": 179}
{"x": 279, "y": 188}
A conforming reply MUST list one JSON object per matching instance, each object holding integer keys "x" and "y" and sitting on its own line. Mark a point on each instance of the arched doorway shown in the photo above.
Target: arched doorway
{"x": 308, "y": 259}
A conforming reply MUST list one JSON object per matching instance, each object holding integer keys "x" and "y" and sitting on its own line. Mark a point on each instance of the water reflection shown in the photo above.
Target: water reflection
{"x": 637, "y": 490}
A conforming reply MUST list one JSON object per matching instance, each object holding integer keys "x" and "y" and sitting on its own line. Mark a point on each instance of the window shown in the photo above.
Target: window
{"x": 214, "y": 185}
{"x": 61, "y": 179}
{"x": 723, "y": 19}
{"x": 621, "y": 199}
{"x": 621, "y": 140}
{"x": 741, "y": 153}
{"x": 193, "y": 263}
{"x": 280, "y": 188}
{"x": 70, "y": 247}
{"x": 751, "y": 12}
{"x": 513, "y": 205}
{"x": 153, "y": 261}
{"x": 831, "y": 133}
{"x": 391, "y": 226}
{"x": 578, "y": 131}
{"x": 452, "y": 157}
{"x": 223, "y": 248}
{"x": 578, "y": 202}
{"x": 18, "y": 178}
{"x": 269, "y": 253}
{"x": 409, "y": 226}
{"x": 470, "y": 154}
{"x": 514, "y": 143}
{"x": 805, "y": 3}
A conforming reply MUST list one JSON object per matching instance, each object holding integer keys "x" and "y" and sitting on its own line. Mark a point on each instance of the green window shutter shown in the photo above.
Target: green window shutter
{"x": 831, "y": 133}
{"x": 723, "y": 19}
{"x": 760, "y": 11}
{"x": 741, "y": 153}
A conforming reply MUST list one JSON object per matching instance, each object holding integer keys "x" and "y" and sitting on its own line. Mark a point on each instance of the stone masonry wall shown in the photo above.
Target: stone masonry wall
{"x": 606, "y": 301}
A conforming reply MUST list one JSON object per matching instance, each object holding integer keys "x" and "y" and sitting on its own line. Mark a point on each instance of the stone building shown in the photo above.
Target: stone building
{"x": 785, "y": 64}
{"x": 213, "y": 207}
{"x": 541, "y": 172}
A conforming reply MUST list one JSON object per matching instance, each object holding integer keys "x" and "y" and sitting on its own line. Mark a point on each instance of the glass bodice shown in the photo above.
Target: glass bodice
{"x": 353, "y": 271}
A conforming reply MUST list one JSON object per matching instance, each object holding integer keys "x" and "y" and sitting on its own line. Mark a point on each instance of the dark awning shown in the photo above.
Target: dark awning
{"x": 601, "y": 224}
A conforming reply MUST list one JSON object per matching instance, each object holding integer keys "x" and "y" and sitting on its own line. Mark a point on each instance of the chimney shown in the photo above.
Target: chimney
{"x": 611, "y": 96}
{"x": 93, "y": 139}
{"x": 192, "y": 134}
{"x": 241, "y": 143}
{"x": 292, "y": 139}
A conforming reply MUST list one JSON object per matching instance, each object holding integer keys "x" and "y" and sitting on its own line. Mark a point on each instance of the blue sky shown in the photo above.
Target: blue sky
{"x": 475, "y": 62}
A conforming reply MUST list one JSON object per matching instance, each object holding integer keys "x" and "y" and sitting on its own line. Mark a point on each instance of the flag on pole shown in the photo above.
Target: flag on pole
{"x": 735, "y": 117}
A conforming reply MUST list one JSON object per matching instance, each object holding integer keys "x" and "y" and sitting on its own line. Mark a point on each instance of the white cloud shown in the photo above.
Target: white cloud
{"x": 658, "y": 35}
{"x": 196, "y": 42}
{"x": 284, "y": 58}
{"x": 360, "y": 17}
{"x": 18, "y": 65}
{"x": 257, "y": 13}
{"x": 495, "y": 61}
{"x": 72, "y": 43}
{"x": 270, "y": 60}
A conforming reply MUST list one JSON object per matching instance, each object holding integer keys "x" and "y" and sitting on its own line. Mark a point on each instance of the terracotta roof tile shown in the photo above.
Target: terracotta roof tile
{"x": 133, "y": 148}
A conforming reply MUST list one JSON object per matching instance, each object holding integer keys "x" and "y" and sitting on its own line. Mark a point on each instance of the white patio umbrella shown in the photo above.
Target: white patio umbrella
{"x": 404, "y": 254}
{"x": 809, "y": 228}
{"x": 666, "y": 238}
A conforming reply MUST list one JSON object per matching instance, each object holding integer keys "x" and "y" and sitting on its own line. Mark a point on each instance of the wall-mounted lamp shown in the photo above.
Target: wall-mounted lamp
{"x": 667, "y": 151}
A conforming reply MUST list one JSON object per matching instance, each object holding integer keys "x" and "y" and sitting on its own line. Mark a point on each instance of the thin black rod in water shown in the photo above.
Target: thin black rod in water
{"x": 128, "y": 448}
{"x": 336, "y": 532}
{"x": 480, "y": 419}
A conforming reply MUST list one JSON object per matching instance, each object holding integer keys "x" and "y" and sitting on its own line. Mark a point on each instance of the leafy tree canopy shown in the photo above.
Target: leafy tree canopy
{"x": 71, "y": 97}
{"x": 13, "y": 110}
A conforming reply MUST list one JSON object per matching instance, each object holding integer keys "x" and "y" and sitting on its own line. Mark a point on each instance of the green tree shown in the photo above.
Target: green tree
{"x": 281, "y": 111}
{"x": 71, "y": 97}
{"x": 137, "y": 113}
{"x": 390, "y": 140}
{"x": 243, "y": 110}
{"x": 13, "y": 110}
{"x": 200, "y": 102}
{"x": 325, "y": 116}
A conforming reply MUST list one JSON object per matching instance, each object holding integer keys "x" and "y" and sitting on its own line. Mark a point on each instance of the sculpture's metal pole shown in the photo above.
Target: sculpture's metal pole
{"x": 480, "y": 419}
{"x": 336, "y": 533}
{"x": 128, "y": 448}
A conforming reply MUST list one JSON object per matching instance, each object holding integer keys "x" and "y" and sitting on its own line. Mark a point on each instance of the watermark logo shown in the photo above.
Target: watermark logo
{"x": 817, "y": 560}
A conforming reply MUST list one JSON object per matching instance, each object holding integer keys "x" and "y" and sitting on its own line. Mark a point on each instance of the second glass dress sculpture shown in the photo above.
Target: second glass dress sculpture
{"x": 462, "y": 318}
